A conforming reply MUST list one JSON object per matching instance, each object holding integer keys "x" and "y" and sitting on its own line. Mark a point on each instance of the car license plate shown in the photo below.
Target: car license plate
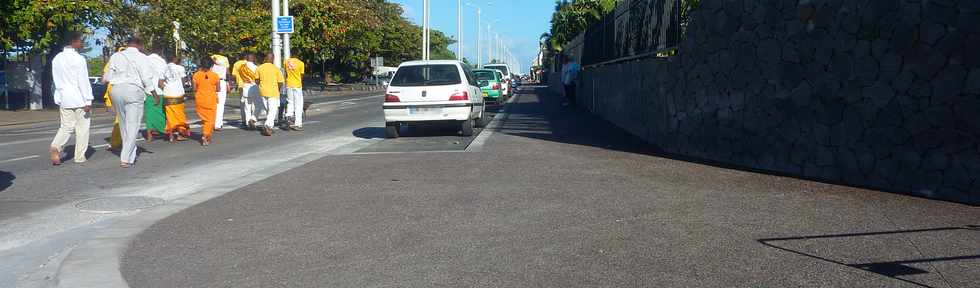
{"x": 423, "y": 110}
{"x": 485, "y": 94}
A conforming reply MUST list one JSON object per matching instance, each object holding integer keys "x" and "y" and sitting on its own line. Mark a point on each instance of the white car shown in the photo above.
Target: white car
{"x": 507, "y": 76}
{"x": 431, "y": 91}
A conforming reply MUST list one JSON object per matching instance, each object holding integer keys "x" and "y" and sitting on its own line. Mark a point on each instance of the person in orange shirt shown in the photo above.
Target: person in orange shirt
{"x": 206, "y": 87}
{"x": 269, "y": 77}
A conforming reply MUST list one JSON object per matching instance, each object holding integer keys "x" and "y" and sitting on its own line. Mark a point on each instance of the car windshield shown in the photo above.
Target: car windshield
{"x": 485, "y": 76}
{"x": 503, "y": 69}
{"x": 426, "y": 75}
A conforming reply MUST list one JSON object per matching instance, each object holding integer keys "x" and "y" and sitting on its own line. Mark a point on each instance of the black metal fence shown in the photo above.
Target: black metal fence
{"x": 637, "y": 28}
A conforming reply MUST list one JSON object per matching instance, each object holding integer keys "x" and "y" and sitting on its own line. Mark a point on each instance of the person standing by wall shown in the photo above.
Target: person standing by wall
{"x": 206, "y": 88}
{"x": 131, "y": 79}
{"x": 156, "y": 121}
{"x": 269, "y": 77}
{"x": 569, "y": 76}
{"x": 221, "y": 68}
{"x": 294, "y": 93}
{"x": 73, "y": 93}
{"x": 173, "y": 101}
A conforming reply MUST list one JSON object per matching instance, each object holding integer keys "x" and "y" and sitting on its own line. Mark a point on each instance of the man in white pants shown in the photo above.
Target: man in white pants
{"x": 246, "y": 72}
{"x": 221, "y": 68}
{"x": 73, "y": 93}
{"x": 294, "y": 93}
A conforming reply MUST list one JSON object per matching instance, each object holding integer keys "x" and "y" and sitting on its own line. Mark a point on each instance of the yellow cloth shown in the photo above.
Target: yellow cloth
{"x": 248, "y": 76}
{"x": 294, "y": 73}
{"x": 177, "y": 120}
{"x": 108, "y": 88}
{"x": 234, "y": 72}
{"x": 269, "y": 78}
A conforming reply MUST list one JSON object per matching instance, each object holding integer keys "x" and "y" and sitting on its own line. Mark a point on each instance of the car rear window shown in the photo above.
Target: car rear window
{"x": 503, "y": 69}
{"x": 485, "y": 75}
{"x": 426, "y": 75}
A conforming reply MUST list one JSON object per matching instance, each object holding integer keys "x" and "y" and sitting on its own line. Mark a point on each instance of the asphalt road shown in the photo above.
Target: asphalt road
{"x": 45, "y": 211}
{"x": 555, "y": 198}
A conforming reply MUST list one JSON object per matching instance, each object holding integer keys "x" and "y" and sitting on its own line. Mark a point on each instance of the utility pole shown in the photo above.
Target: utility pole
{"x": 285, "y": 38}
{"x": 459, "y": 29}
{"x": 276, "y": 41}
{"x": 425, "y": 29}
{"x": 479, "y": 37}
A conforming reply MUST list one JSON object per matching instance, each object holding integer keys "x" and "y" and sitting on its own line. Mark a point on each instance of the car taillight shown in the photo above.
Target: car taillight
{"x": 460, "y": 96}
{"x": 496, "y": 86}
{"x": 392, "y": 98}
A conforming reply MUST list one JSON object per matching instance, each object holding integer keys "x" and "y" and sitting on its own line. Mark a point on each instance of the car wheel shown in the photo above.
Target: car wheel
{"x": 391, "y": 130}
{"x": 467, "y": 128}
{"x": 483, "y": 121}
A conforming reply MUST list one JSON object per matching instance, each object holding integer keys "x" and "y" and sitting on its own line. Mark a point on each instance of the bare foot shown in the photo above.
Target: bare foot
{"x": 55, "y": 156}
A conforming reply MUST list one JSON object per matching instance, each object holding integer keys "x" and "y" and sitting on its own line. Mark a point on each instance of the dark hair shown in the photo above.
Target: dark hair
{"x": 171, "y": 57}
{"x": 205, "y": 63}
{"x": 72, "y": 36}
{"x": 134, "y": 41}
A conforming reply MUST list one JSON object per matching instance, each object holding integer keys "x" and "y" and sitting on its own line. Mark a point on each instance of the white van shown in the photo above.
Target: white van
{"x": 435, "y": 90}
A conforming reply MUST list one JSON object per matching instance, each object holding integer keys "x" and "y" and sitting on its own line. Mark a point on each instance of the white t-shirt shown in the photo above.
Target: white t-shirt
{"x": 174, "y": 77}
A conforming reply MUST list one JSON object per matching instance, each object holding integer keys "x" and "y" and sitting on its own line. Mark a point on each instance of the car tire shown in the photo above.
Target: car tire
{"x": 467, "y": 128}
{"x": 482, "y": 121}
{"x": 391, "y": 130}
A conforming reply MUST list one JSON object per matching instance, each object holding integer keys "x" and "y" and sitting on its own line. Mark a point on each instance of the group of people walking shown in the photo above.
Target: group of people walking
{"x": 148, "y": 87}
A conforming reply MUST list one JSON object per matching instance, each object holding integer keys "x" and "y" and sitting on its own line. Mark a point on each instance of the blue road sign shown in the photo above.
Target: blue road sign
{"x": 284, "y": 24}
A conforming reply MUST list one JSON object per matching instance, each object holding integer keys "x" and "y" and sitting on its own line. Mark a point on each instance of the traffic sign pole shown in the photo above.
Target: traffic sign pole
{"x": 285, "y": 38}
{"x": 276, "y": 41}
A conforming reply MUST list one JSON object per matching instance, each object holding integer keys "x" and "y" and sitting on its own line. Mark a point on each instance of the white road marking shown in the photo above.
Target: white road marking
{"x": 20, "y": 158}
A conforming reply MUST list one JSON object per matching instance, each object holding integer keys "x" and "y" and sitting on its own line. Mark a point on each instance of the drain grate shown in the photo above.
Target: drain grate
{"x": 118, "y": 204}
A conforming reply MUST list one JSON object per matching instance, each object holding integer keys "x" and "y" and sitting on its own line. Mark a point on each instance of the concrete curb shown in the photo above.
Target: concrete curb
{"x": 495, "y": 123}
{"x": 95, "y": 262}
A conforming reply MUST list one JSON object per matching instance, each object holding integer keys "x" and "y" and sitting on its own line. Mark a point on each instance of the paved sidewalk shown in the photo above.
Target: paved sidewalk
{"x": 557, "y": 198}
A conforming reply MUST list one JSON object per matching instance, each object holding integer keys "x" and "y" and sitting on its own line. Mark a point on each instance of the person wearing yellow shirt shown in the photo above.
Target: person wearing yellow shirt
{"x": 269, "y": 76}
{"x": 247, "y": 76}
{"x": 294, "y": 93}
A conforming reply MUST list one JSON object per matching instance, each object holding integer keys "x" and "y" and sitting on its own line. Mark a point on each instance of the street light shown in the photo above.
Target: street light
{"x": 425, "y": 29}
{"x": 459, "y": 29}
{"x": 479, "y": 35}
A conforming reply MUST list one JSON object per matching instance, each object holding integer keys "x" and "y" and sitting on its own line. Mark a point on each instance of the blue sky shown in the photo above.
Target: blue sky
{"x": 521, "y": 22}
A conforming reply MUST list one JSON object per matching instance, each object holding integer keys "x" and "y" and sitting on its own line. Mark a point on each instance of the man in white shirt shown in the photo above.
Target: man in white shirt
{"x": 73, "y": 93}
{"x": 132, "y": 78}
{"x": 221, "y": 68}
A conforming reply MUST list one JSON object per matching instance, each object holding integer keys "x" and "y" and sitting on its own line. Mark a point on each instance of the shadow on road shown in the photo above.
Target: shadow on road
{"x": 370, "y": 133}
{"x": 6, "y": 180}
{"x": 819, "y": 246}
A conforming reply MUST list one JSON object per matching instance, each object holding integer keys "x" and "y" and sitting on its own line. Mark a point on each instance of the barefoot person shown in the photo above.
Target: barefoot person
{"x": 173, "y": 101}
{"x": 269, "y": 76}
{"x": 246, "y": 73}
{"x": 206, "y": 87}
{"x": 73, "y": 93}
{"x": 221, "y": 68}
{"x": 156, "y": 121}
{"x": 131, "y": 79}
{"x": 294, "y": 93}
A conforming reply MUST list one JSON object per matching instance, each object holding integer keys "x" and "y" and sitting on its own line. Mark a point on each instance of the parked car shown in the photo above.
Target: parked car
{"x": 429, "y": 91}
{"x": 507, "y": 76}
{"x": 490, "y": 80}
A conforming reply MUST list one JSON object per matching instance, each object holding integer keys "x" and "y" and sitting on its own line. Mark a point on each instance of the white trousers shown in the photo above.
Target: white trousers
{"x": 248, "y": 103}
{"x": 272, "y": 106}
{"x": 73, "y": 121}
{"x": 128, "y": 101}
{"x": 219, "y": 114}
{"x": 295, "y": 106}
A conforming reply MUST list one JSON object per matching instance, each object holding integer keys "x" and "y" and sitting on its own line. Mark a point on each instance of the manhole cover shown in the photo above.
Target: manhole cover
{"x": 118, "y": 204}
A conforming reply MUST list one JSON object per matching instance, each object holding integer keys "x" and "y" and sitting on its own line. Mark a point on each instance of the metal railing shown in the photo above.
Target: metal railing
{"x": 636, "y": 29}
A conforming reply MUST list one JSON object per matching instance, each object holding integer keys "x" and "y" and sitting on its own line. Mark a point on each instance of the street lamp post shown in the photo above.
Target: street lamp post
{"x": 276, "y": 41}
{"x": 425, "y": 29}
{"x": 459, "y": 29}
{"x": 285, "y": 38}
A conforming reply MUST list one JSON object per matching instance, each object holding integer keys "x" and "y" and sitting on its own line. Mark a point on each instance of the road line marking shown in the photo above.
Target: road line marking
{"x": 21, "y": 158}
{"x": 100, "y": 146}
{"x": 24, "y": 141}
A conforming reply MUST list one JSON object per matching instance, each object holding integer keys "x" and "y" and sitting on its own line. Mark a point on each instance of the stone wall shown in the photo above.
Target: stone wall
{"x": 878, "y": 94}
